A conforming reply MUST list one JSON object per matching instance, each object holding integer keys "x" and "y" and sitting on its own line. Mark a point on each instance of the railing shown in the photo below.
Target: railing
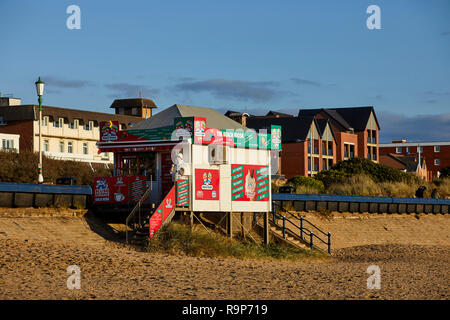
{"x": 137, "y": 209}
{"x": 301, "y": 228}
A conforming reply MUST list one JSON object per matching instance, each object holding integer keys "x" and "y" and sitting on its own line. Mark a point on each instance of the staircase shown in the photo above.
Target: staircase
{"x": 146, "y": 223}
{"x": 297, "y": 231}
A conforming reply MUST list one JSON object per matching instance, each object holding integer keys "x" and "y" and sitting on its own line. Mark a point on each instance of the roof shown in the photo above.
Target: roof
{"x": 214, "y": 119}
{"x": 30, "y": 112}
{"x": 231, "y": 113}
{"x": 410, "y": 162}
{"x": 414, "y": 144}
{"x": 277, "y": 114}
{"x": 348, "y": 118}
{"x": 133, "y": 103}
{"x": 294, "y": 129}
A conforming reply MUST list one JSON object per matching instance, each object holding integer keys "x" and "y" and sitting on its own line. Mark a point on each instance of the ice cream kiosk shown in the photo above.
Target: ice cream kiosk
{"x": 189, "y": 167}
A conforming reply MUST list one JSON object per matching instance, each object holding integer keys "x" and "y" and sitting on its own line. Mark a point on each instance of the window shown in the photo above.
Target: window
{"x": 88, "y": 126}
{"x": 45, "y": 121}
{"x": 1, "y": 120}
{"x": 46, "y": 145}
{"x": 69, "y": 147}
{"x": 7, "y": 144}
{"x": 437, "y": 162}
{"x": 58, "y": 124}
{"x": 419, "y": 149}
{"x": 74, "y": 124}
{"x": 398, "y": 150}
{"x": 85, "y": 148}
{"x": 61, "y": 146}
{"x": 437, "y": 148}
{"x": 407, "y": 150}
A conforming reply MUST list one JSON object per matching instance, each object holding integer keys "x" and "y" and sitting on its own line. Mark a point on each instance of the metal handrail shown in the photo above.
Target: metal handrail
{"x": 324, "y": 233}
{"x": 137, "y": 208}
{"x": 301, "y": 228}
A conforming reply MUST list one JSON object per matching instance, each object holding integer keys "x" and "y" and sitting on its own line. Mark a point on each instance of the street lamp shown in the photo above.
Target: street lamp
{"x": 40, "y": 92}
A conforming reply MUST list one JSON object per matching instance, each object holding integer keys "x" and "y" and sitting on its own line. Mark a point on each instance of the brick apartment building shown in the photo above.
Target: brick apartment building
{"x": 336, "y": 134}
{"x": 435, "y": 154}
{"x": 68, "y": 134}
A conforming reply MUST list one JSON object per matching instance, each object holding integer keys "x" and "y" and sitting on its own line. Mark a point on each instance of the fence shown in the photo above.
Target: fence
{"x": 43, "y": 195}
{"x": 315, "y": 202}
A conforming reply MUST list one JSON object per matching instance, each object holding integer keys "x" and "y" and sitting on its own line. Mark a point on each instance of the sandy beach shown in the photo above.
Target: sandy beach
{"x": 36, "y": 252}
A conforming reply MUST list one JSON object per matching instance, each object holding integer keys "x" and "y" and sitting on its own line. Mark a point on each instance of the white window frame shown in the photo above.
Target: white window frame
{"x": 70, "y": 147}
{"x": 437, "y": 162}
{"x": 85, "y": 148}
{"x": 46, "y": 145}
{"x": 45, "y": 121}
{"x": 398, "y": 150}
{"x": 62, "y": 145}
{"x": 437, "y": 148}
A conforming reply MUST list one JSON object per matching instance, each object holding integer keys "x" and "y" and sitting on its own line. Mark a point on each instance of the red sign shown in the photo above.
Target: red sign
{"x": 207, "y": 184}
{"x": 118, "y": 189}
{"x": 249, "y": 182}
{"x": 162, "y": 212}
{"x": 109, "y": 131}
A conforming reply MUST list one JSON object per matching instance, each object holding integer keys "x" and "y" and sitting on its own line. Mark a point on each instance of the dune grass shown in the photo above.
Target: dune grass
{"x": 178, "y": 239}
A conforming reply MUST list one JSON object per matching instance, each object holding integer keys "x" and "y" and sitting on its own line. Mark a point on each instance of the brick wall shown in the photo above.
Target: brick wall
{"x": 25, "y": 129}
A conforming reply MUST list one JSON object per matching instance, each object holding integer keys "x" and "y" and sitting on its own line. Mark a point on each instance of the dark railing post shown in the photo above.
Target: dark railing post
{"x": 301, "y": 227}
{"x": 311, "y": 236}
{"x": 329, "y": 242}
{"x": 284, "y": 227}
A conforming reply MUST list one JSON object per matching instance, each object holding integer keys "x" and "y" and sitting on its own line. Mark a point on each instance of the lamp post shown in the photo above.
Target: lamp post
{"x": 40, "y": 92}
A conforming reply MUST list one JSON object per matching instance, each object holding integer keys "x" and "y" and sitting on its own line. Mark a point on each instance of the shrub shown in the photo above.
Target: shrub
{"x": 23, "y": 167}
{"x": 328, "y": 177}
{"x": 445, "y": 173}
{"x": 306, "y": 184}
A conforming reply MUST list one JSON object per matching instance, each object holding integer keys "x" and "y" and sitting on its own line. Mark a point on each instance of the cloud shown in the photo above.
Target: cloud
{"x": 56, "y": 82}
{"x": 445, "y": 33}
{"x": 415, "y": 128}
{"x": 306, "y": 82}
{"x": 256, "y": 91}
{"x": 128, "y": 90}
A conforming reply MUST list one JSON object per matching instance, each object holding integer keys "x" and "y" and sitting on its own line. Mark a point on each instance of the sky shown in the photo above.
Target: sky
{"x": 244, "y": 55}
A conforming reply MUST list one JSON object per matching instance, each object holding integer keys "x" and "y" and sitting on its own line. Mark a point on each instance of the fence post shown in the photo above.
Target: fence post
{"x": 284, "y": 227}
{"x": 301, "y": 227}
{"x": 311, "y": 236}
{"x": 329, "y": 242}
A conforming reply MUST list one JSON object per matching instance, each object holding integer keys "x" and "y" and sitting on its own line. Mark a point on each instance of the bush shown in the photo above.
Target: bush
{"x": 306, "y": 184}
{"x": 23, "y": 167}
{"x": 357, "y": 185}
{"x": 445, "y": 173}
{"x": 329, "y": 177}
{"x": 377, "y": 172}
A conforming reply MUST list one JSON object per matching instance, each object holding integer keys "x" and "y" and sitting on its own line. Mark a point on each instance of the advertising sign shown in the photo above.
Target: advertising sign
{"x": 207, "y": 184}
{"x": 109, "y": 130}
{"x": 249, "y": 182}
{"x": 275, "y": 133}
{"x": 161, "y": 213}
{"x": 182, "y": 193}
{"x": 118, "y": 189}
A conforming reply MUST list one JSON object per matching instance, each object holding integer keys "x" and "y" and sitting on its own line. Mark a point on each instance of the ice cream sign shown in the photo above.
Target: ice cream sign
{"x": 249, "y": 182}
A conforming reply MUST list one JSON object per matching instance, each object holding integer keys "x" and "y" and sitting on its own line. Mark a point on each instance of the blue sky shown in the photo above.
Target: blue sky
{"x": 241, "y": 55}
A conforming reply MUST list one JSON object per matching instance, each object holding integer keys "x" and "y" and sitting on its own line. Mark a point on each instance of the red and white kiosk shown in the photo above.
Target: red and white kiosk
{"x": 189, "y": 167}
